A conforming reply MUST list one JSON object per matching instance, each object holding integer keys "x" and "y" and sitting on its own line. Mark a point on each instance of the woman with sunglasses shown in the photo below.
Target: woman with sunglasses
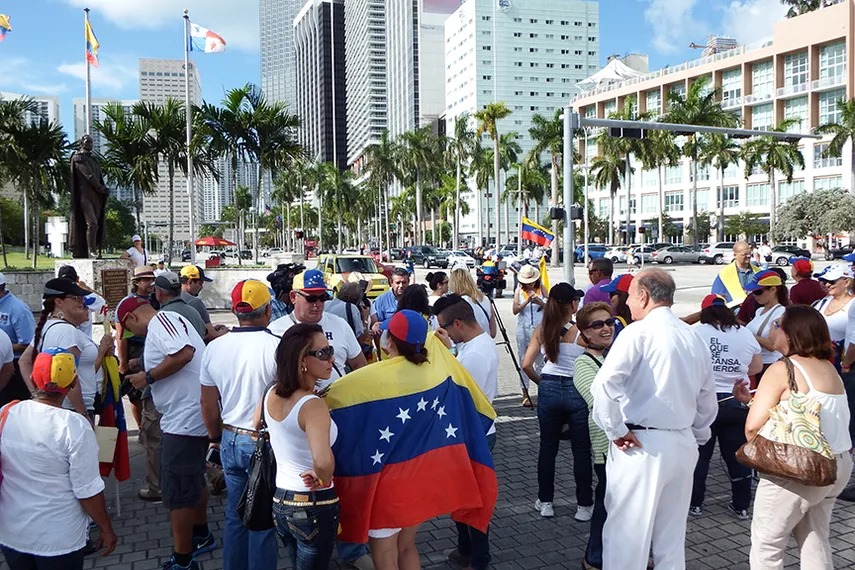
{"x": 559, "y": 403}
{"x": 305, "y": 505}
{"x": 835, "y": 307}
{"x": 735, "y": 355}
{"x": 772, "y": 298}
{"x": 529, "y": 300}
{"x": 597, "y": 328}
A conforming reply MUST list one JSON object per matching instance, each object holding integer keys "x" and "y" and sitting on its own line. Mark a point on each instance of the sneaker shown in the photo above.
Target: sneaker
{"x": 458, "y": 558}
{"x": 203, "y": 544}
{"x": 584, "y": 514}
{"x": 147, "y": 494}
{"x": 741, "y": 514}
{"x": 172, "y": 565}
{"x": 696, "y": 511}
{"x": 544, "y": 508}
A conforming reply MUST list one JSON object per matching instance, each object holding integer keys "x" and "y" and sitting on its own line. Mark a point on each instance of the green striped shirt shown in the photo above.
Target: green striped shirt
{"x": 583, "y": 377}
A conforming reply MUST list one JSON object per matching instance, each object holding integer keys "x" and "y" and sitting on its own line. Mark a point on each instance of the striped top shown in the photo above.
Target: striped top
{"x": 584, "y": 376}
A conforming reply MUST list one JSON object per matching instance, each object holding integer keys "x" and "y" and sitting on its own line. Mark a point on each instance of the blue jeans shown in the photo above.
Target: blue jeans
{"x": 242, "y": 548}
{"x": 308, "y": 532}
{"x": 560, "y": 404}
{"x": 594, "y": 550}
{"x": 350, "y": 551}
{"x": 22, "y": 561}
{"x": 471, "y": 541}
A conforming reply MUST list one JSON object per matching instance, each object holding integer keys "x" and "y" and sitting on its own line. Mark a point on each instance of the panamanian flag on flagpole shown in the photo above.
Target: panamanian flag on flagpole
{"x": 203, "y": 39}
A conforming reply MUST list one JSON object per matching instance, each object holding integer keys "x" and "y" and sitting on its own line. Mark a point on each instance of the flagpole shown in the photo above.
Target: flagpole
{"x": 188, "y": 109}
{"x": 87, "y": 114}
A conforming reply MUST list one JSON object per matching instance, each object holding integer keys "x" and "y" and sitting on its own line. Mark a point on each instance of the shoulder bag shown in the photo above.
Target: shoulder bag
{"x": 255, "y": 506}
{"x": 790, "y": 444}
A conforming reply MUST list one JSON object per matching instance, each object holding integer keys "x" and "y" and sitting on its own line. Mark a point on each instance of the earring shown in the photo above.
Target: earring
{"x": 304, "y": 369}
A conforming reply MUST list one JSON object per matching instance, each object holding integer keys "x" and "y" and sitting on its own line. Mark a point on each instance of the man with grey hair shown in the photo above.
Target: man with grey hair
{"x": 655, "y": 399}
{"x": 236, "y": 369}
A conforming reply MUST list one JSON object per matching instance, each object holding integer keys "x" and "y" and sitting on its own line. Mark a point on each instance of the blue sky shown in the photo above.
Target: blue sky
{"x": 43, "y": 55}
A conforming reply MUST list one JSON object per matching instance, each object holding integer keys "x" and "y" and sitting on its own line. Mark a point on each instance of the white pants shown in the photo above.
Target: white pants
{"x": 524, "y": 334}
{"x": 647, "y": 500}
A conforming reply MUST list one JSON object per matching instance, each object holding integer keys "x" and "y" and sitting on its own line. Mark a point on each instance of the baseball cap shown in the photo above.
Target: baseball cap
{"x": 136, "y": 237}
{"x": 713, "y": 300}
{"x": 167, "y": 280}
{"x": 310, "y": 280}
{"x": 67, "y": 272}
{"x": 835, "y": 272}
{"x": 54, "y": 370}
{"x": 128, "y": 305}
{"x": 850, "y": 257}
{"x": 564, "y": 293}
{"x": 58, "y": 287}
{"x": 143, "y": 272}
{"x": 801, "y": 265}
{"x": 408, "y": 326}
{"x": 767, "y": 278}
{"x": 619, "y": 283}
{"x": 194, "y": 272}
{"x": 249, "y": 295}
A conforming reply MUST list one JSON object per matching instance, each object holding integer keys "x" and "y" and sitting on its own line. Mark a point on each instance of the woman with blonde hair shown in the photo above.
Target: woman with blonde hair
{"x": 461, "y": 283}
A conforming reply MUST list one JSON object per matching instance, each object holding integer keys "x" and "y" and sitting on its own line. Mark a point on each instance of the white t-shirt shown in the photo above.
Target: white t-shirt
{"x": 240, "y": 364}
{"x": 95, "y": 304}
{"x": 338, "y": 335}
{"x": 482, "y": 310}
{"x": 137, "y": 258}
{"x": 62, "y": 334}
{"x": 838, "y": 321}
{"x": 6, "y": 352}
{"x": 732, "y": 351}
{"x": 50, "y": 461}
{"x": 764, "y": 317}
{"x": 177, "y": 397}
{"x": 479, "y": 358}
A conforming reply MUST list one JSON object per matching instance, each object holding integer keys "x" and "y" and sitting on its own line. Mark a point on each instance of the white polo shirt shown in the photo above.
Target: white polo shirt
{"x": 240, "y": 365}
{"x": 479, "y": 358}
{"x": 339, "y": 335}
{"x": 177, "y": 397}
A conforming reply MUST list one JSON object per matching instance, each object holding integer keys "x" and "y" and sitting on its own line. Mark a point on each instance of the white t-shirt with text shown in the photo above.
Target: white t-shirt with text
{"x": 731, "y": 351}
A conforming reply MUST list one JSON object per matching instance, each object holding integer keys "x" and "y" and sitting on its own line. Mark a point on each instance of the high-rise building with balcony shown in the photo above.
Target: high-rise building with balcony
{"x": 801, "y": 74}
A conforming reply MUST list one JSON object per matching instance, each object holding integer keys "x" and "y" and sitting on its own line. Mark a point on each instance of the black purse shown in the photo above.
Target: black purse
{"x": 255, "y": 506}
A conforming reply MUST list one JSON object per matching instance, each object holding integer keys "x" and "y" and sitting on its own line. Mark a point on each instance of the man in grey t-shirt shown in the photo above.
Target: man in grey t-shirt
{"x": 193, "y": 279}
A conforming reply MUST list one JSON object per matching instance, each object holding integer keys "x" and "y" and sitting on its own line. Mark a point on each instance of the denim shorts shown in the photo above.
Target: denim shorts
{"x": 182, "y": 470}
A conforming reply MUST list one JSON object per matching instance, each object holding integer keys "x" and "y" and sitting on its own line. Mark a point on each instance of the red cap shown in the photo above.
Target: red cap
{"x": 128, "y": 306}
{"x": 713, "y": 300}
{"x": 803, "y": 266}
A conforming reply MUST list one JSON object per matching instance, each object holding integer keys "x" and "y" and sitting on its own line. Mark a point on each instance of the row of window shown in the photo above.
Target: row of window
{"x": 547, "y": 22}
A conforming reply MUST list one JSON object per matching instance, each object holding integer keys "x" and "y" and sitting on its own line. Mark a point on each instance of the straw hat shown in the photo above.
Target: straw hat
{"x": 528, "y": 274}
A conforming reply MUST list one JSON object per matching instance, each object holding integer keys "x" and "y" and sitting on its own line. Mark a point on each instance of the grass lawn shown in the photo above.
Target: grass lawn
{"x": 16, "y": 260}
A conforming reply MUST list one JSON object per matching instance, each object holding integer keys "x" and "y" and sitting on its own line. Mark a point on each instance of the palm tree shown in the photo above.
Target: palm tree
{"x": 799, "y": 7}
{"x": 382, "y": 170}
{"x": 771, "y": 154}
{"x": 549, "y": 136}
{"x": 461, "y": 146}
{"x": 481, "y": 168}
{"x": 402, "y": 209}
{"x": 509, "y": 151}
{"x": 659, "y": 151}
{"x": 842, "y": 132}
{"x": 528, "y": 181}
{"x": 337, "y": 192}
{"x": 488, "y": 122}
{"x": 418, "y": 154}
{"x": 699, "y": 106}
{"x": 609, "y": 169}
{"x": 720, "y": 151}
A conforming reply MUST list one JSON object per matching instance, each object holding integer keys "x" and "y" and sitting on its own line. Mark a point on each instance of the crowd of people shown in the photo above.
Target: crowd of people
{"x": 355, "y": 396}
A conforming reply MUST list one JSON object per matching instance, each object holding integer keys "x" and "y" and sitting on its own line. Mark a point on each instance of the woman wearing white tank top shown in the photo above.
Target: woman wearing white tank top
{"x": 305, "y": 506}
{"x": 783, "y": 507}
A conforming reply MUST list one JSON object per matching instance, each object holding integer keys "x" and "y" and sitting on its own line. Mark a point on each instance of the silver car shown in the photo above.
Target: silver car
{"x": 676, "y": 254}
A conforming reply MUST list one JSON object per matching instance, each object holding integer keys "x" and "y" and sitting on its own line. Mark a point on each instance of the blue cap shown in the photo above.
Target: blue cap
{"x": 310, "y": 280}
{"x": 408, "y": 326}
{"x": 850, "y": 257}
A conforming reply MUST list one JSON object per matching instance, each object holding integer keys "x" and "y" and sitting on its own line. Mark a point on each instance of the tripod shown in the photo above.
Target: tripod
{"x": 506, "y": 341}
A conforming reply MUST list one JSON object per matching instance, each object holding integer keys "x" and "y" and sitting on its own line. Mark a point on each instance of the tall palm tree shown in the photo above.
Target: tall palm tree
{"x": 382, "y": 170}
{"x": 509, "y": 151}
{"x": 799, "y": 7}
{"x": 720, "y": 152}
{"x": 461, "y": 146}
{"x": 842, "y": 132}
{"x": 403, "y": 209}
{"x": 772, "y": 155}
{"x": 338, "y": 191}
{"x": 659, "y": 151}
{"x": 488, "y": 123}
{"x": 699, "y": 106}
{"x": 481, "y": 168}
{"x": 609, "y": 170}
{"x": 418, "y": 154}
{"x": 548, "y": 135}
{"x": 528, "y": 181}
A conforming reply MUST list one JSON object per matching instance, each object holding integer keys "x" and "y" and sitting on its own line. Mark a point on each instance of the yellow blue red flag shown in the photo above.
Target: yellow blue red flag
{"x": 533, "y": 231}
{"x": 411, "y": 445}
{"x": 92, "y": 44}
{"x": 5, "y": 26}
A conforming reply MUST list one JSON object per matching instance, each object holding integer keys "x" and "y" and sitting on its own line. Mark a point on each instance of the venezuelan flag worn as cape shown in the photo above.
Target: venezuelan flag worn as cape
{"x": 113, "y": 415}
{"x": 411, "y": 445}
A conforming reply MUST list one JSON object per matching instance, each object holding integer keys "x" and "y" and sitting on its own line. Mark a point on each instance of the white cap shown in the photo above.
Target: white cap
{"x": 2, "y": 279}
{"x": 136, "y": 237}
{"x": 835, "y": 272}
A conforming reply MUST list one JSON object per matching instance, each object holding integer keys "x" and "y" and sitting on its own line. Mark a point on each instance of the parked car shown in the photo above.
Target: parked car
{"x": 718, "y": 253}
{"x": 428, "y": 256}
{"x": 617, "y": 254}
{"x": 838, "y": 252}
{"x": 397, "y": 253}
{"x": 781, "y": 254}
{"x": 272, "y": 251}
{"x": 460, "y": 257}
{"x": 595, "y": 251}
{"x": 645, "y": 252}
{"x": 185, "y": 255}
{"x": 676, "y": 254}
{"x": 336, "y": 268}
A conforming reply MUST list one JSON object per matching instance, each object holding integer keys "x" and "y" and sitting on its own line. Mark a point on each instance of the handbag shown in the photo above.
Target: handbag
{"x": 255, "y": 506}
{"x": 791, "y": 444}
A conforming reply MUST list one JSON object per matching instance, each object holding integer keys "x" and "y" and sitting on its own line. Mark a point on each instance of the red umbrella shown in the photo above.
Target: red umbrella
{"x": 213, "y": 241}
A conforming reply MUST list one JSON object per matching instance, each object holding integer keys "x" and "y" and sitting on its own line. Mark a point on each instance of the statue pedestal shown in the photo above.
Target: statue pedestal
{"x": 110, "y": 278}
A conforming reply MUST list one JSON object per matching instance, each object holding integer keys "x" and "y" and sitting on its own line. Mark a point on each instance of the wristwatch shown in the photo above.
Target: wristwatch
{"x": 149, "y": 379}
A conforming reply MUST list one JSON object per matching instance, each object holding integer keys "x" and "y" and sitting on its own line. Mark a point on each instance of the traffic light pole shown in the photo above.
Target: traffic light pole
{"x": 570, "y": 123}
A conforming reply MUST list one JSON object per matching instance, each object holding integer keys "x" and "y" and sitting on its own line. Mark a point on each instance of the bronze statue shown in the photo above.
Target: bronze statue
{"x": 88, "y": 203}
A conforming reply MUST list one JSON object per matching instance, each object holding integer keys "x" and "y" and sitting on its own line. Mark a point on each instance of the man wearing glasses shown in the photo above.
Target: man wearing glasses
{"x": 308, "y": 295}
{"x": 600, "y": 273}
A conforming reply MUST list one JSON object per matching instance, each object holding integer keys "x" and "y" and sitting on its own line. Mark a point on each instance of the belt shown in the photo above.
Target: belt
{"x": 241, "y": 431}
{"x": 306, "y": 503}
{"x": 636, "y": 427}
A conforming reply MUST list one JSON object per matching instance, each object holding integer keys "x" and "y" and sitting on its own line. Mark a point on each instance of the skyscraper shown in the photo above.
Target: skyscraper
{"x": 278, "y": 56}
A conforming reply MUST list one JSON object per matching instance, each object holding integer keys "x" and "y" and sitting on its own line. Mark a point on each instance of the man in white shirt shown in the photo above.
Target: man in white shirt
{"x": 655, "y": 399}
{"x": 236, "y": 369}
{"x": 476, "y": 351}
{"x": 172, "y": 364}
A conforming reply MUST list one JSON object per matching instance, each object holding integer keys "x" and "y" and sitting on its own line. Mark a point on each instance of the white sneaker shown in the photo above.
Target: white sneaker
{"x": 544, "y": 508}
{"x": 584, "y": 514}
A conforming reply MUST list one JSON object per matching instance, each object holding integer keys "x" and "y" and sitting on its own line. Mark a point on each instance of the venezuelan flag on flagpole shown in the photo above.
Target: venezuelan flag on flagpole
{"x": 411, "y": 445}
{"x": 92, "y": 45}
{"x": 536, "y": 233}
{"x": 5, "y": 26}
{"x": 113, "y": 415}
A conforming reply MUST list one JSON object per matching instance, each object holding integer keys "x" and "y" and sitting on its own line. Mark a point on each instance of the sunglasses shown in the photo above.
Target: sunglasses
{"x": 325, "y": 353}
{"x": 759, "y": 292}
{"x": 597, "y": 325}
{"x": 315, "y": 298}
{"x": 448, "y": 324}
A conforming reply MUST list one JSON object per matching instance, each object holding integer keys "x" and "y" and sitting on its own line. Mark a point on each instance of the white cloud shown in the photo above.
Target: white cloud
{"x": 25, "y": 76}
{"x": 236, "y": 22}
{"x": 109, "y": 76}
{"x": 751, "y": 21}
{"x": 674, "y": 24}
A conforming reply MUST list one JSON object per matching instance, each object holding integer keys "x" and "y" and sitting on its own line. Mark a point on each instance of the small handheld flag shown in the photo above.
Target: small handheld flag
{"x": 92, "y": 45}
{"x": 203, "y": 39}
{"x": 5, "y": 26}
{"x": 536, "y": 233}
